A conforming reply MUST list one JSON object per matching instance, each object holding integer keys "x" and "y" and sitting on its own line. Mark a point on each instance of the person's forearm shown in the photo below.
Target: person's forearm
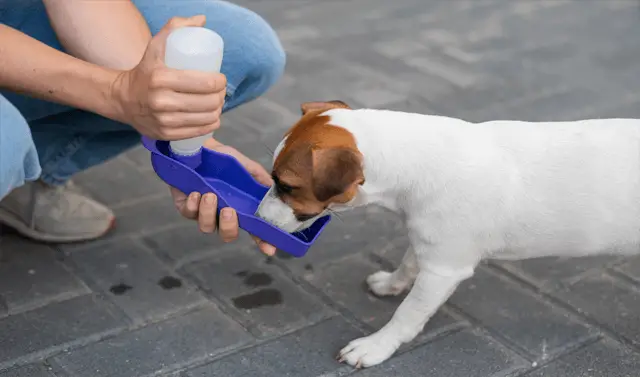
{"x": 30, "y": 67}
{"x": 108, "y": 33}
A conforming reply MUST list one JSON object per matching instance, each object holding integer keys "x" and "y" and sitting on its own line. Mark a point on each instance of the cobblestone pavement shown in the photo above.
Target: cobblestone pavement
{"x": 156, "y": 298}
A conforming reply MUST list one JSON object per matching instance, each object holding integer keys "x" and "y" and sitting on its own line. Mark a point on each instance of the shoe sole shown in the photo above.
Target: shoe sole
{"x": 15, "y": 223}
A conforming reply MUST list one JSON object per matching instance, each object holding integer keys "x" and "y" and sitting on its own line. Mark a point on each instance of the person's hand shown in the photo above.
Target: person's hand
{"x": 203, "y": 208}
{"x": 169, "y": 104}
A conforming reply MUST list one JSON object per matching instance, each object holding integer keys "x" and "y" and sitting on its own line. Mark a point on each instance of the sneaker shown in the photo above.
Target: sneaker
{"x": 55, "y": 214}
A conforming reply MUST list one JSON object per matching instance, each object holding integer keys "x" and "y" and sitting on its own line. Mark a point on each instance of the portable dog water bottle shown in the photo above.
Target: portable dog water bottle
{"x": 185, "y": 165}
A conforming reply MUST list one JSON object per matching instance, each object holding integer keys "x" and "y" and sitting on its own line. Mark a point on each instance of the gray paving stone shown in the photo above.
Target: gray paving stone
{"x": 35, "y": 370}
{"x": 376, "y": 97}
{"x": 602, "y": 359}
{"x": 143, "y": 217}
{"x": 157, "y": 348}
{"x": 302, "y": 64}
{"x": 247, "y": 137}
{"x": 264, "y": 115}
{"x": 486, "y": 60}
{"x": 363, "y": 230}
{"x": 548, "y": 52}
{"x": 406, "y": 81}
{"x": 180, "y": 242}
{"x": 31, "y": 276}
{"x": 344, "y": 283}
{"x": 563, "y": 105}
{"x": 462, "y": 354}
{"x": 513, "y": 84}
{"x": 269, "y": 141}
{"x": 186, "y": 243}
{"x": 631, "y": 268}
{"x": 140, "y": 158}
{"x": 147, "y": 215}
{"x": 136, "y": 281}
{"x": 415, "y": 104}
{"x": 394, "y": 251}
{"x": 457, "y": 74}
{"x": 342, "y": 19}
{"x": 512, "y": 312}
{"x": 56, "y": 325}
{"x": 399, "y": 48}
{"x": 305, "y": 353}
{"x": 235, "y": 131}
{"x": 630, "y": 109}
{"x": 290, "y": 94}
{"x": 257, "y": 293}
{"x": 3, "y": 307}
{"x": 297, "y": 33}
{"x": 353, "y": 75}
{"x": 553, "y": 272}
{"x": 608, "y": 301}
{"x": 118, "y": 181}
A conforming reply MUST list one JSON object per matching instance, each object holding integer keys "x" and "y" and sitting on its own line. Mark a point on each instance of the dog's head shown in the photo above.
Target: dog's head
{"x": 317, "y": 166}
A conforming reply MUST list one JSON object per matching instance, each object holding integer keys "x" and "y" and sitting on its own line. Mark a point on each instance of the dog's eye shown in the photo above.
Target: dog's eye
{"x": 306, "y": 216}
{"x": 281, "y": 188}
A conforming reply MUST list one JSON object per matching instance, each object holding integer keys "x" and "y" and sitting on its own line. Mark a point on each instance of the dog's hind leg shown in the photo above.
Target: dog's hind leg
{"x": 384, "y": 283}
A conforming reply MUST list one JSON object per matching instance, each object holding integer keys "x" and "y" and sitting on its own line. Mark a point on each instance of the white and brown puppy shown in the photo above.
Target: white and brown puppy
{"x": 468, "y": 191}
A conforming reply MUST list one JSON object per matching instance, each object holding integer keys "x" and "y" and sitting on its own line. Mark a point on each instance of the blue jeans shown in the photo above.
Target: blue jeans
{"x": 52, "y": 142}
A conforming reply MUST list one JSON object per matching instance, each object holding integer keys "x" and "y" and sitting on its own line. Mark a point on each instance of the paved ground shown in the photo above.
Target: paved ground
{"x": 158, "y": 299}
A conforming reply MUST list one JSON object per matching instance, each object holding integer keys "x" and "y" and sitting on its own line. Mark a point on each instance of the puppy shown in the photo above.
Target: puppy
{"x": 467, "y": 192}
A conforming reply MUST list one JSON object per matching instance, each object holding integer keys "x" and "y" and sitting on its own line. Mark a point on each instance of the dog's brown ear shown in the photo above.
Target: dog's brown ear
{"x": 335, "y": 172}
{"x": 326, "y": 105}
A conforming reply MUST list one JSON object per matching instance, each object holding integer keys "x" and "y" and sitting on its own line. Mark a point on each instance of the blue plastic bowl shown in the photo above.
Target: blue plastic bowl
{"x": 236, "y": 188}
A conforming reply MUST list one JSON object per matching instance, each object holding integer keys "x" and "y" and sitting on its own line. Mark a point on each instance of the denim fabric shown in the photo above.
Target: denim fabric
{"x": 18, "y": 156}
{"x": 69, "y": 141}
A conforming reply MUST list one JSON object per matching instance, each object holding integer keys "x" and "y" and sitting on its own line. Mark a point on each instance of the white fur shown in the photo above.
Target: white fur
{"x": 499, "y": 189}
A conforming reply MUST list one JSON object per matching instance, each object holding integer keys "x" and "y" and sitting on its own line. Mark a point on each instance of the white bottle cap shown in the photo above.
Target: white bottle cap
{"x": 193, "y": 48}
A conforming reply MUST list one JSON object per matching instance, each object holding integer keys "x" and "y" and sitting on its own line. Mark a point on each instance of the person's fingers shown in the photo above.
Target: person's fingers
{"x": 207, "y": 213}
{"x": 264, "y": 247}
{"x": 177, "y": 22}
{"x": 228, "y": 223}
{"x": 179, "y": 198}
{"x": 181, "y": 133}
{"x": 228, "y": 226}
{"x": 260, "y": 174}
{"x": 169, "y": 101}
{"x": 188, "y": 81}
{"x": 267, "y": 249}
{"x": 212, "y": 143}
{"x": 189, "y": 208}
{"x": 158, "y": 42}
{"x": 255, "y": 169}
{"x": 188, "y": 119}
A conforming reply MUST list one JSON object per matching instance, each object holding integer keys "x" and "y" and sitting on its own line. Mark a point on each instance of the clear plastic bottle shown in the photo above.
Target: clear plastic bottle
{"x": 193, "y": 48}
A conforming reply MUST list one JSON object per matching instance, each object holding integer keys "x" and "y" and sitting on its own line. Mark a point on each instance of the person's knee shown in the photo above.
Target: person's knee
{"x": 256, "y": 58}
{"x": 270, "y": 57}
{"x": 263, "y": 48}
{"x": 270, "y": 67}
{"x": 18, "y": 157}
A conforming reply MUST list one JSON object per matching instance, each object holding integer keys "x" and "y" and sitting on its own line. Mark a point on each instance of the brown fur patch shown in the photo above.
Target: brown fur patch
{"x": 319, "y": 163}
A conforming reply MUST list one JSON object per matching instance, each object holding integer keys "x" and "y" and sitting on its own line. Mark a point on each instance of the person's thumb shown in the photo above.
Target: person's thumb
{"x": 158, "y": 42}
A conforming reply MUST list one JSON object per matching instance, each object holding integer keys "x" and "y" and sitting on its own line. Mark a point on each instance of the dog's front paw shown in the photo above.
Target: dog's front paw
{"x": 368, "y": 351}
{"x": 383, "y": 283}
